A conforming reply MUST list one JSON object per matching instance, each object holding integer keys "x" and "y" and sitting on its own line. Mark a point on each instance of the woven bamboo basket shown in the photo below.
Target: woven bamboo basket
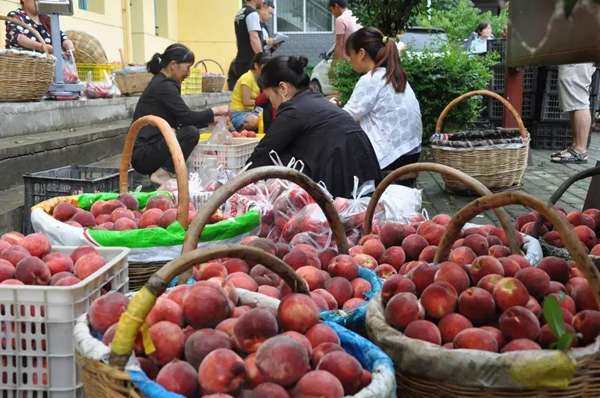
{"x": 88, "y": 49}
{"x": 23, "y": 76}
{"x": 471, "y": 183}
{"x": 498, "y": 168}
{"x": 225, "y": 191}
{"x": 102, "y": 380}
{"x": 549, "y": 249}
{"x": 215, "y": 83}
{"x": 132, "y": 83}
{"x": 140, "y": 272}
{"x": 545, "y": 373}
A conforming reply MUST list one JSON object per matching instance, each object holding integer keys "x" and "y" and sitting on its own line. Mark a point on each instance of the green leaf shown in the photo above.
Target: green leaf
{"x": 568, "y": 6}
{"x": 554, "y": 318}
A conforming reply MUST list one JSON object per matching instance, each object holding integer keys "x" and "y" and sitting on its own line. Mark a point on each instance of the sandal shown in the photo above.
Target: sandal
{"x": 569, "y": 155}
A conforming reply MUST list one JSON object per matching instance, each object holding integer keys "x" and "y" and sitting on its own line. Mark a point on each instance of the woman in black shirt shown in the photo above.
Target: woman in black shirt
{"x": 162, "y": 98}
{"x": 308, "y": 127}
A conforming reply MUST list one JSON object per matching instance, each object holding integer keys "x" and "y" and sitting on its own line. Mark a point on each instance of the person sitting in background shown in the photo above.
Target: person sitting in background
{"x": 243, "y": 97}
{"x": 162, "y": 98}
{"x": 382, "y": 101}
{"x": 18, "y": 37}
{"x": 479, "y": 43}
{"x": 308, "y": 127}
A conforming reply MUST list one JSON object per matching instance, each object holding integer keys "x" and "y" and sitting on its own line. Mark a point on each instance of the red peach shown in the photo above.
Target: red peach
{"x": 58, "y": 262}
{"x": 165, "y": 310}
{"x": 226, "y": 326}
{"x": 393, "y": 234}
{"x": 384, "y": 271}
{"x": 535, "y": 280}
{"x": 406, "y": 268}
{"x": 106, "y": 310}
{"x": 462, "y": 255}
{"x": 208, "y": 270}
{"x": 159, "y": 202}
{"x": 432, "y": 232}
{"x": 402, "y": 309}
{"x": 319, "y": 383}
{"x": 458, "y": 243}
{"x": 360, "y": 286}
{"x": 221, "y": 371}
{"x": 586, "y": 235}
{"x": 83, "y": 218}
{"x": 345, "y": 368}
{"x": 12, "y": 237}
{"x": 124, "y": 224}
{"x": 354, "y": 250}
{"x": 577, "y": 218}
{"x": 205, "y": 305}
{"x": 396, "y": 284}
{"x": 595, "y": 250}
{"x": 319, "y": 301}
{"x": 297, "y": 258}
{"x": 325, "y": 256}
{"x": 485, "y": 265}
{"x": 253, "y": 328}
{"x": 423, "y": 276}
{"x": 476, "y": 339}
{"x": 321, "y": 350}
{"x": 413, "y": 245}
{"x": 510, "y": 292}
{"x": 353, "y": 303}
{"x": 270, "y": 390}
{"x": 494, "y": 241}
{"x": 423, "y": 330}
{"x": 298, "y": 312}
{"x": 321, "y": 333}
{"x": 556, "y": 268}
{"x": 14, "y": 254}
{"x": 36, "y": 244}
{"x": 511, "y": 267}
{"x": 312, "y": 276}
{"x": 32, "y": 271}
{"x": 234, "y": 265}
{"x": 553, "y": 238}
{"x": 477, "y": 304}
{"x": 129, "y": 201}
{"x": 121, "y": 213}
{"x": 282, "y": 360}
{"x": 7, "y": 270}
{"x": 519, "y": 323}
{"x": 451, "y": 325}
{"x": 584, "y": 297}
{"x": 167, "y": 218}
{"x": 454, "y": 275}
{"x": 150, "y": 217}
{"x": 374, "y": 248}
{"x": 395, "y": 256}
{"x": 478, "y": 243}
{"x": 496, "y": 333}
{"x": 340, "y": 288}
{"x": 331, "y": 301}
{"x": 88, "y": 264}
{"x": 264, "y": 276}
{"x": 364, "y": 260}
{"x": 82, "y": 251}
{"x": 64, "y": 211}
{"x": 242, "y": 280}
{"x": 442, "y": 219}
{"x": 439, "y": 299}
{"x": 253, "y": 375}
{"x": 488, "y": 282}
{"x": 547, "y": 337}
{"x": 11, "y": 282}
{"x": 534, "y": 306}
{"x": 300, "y": 338}
{"x": 521, "y": 345}
{"x": 428, "y": 254}
{"x": 343, "y": 265}
{"x": 67, "y": 281}
{"x": 177, "y": 294}
{"x": 179, "y": 377}
{"x": 587, "y": 323}
{"x": 499, "y": 251}
{"x": 522, "y": 261}
{"x": 565, "y": 302}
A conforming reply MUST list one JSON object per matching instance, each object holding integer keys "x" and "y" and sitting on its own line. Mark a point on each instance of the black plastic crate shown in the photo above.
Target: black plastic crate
{"x": 64, "y": 181}
{"x": 551, "y": 109}
{"x": 551, "y": 81}
{"x": 552, "y": 135}
{"x": 496, "y": 109}
{"x": 530, "y": 76}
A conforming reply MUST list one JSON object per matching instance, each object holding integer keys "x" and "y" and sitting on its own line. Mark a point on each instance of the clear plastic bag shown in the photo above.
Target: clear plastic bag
{"x": 69, "y": 68}
{"x": 220, "y": 134}
{"x": 352, "y": 211}
{"x": 104, "y": 89}
{"x": 308, "y": 226}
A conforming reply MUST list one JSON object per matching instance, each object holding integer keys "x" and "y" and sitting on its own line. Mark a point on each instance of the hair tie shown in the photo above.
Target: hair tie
{"x": 159, "y": 59}
{"x": 385, "y": 39}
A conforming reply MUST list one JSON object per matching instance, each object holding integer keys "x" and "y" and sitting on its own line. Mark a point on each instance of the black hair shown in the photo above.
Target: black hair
{"x": 177, "y": 52}
{"x": 260, "y": 59}
{"x": 341, "y": 3}
{"x": 481, "y": 27}
{"x": 285, "y": 69}
{"x": 383, "y": 51}
{"x": 267, "y": 4}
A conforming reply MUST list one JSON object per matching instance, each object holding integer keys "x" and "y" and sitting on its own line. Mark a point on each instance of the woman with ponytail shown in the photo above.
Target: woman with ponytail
{"x": 309, "y": 128}
{"x": 382, "y": 101}
{"x": 163, "y": 98}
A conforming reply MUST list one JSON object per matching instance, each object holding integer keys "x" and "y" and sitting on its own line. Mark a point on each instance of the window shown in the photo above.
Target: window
{"x": 297, "y": 16}
{"x": 92, "y": 5}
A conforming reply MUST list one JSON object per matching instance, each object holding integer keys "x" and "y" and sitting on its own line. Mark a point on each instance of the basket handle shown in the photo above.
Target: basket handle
{"x": 140, "y": 305}
{"x": 561, "y": 190}
{"x": 251, "y": 176}
{"x": 183, "y": 196}
{"x": 203, "y": 62}
{"x": 24, "y": 25}
{"x": 472, "y": 183}
{"x": 440, "y": 122}
{"x": 567, "y": 234}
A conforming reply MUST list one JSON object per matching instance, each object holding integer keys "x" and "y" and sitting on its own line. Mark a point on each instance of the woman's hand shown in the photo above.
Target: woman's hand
{"x": 220, "y": 110}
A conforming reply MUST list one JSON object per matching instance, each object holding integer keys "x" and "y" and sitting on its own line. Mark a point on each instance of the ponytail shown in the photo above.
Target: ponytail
{"x": 383, "y": 51}
{"x": 179, "y": 53}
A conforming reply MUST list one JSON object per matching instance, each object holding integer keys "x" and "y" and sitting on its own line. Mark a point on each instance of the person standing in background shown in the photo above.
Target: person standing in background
{"x": 345, "y": 25}
{"x": 266, "y": 14}
{"x": 574, "y": 85}
{"x": 483, "y": 33}
{"x": 248, "y": 38}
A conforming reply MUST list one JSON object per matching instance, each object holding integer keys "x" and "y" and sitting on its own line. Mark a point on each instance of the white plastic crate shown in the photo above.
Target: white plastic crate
{"x": 37, "y": 352}
{"x": 231, "y": 156}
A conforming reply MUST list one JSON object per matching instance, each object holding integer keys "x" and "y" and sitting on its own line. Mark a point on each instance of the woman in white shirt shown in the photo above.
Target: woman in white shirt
{"x": 479, "y": 44}
{"x": 382, "y": 101}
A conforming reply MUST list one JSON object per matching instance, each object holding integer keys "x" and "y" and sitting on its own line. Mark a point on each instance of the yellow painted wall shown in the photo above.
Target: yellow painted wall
{"x": 208, "y": 29}
{"x": 205, "y": 26}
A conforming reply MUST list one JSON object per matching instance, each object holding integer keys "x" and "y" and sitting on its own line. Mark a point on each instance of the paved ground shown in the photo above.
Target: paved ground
{"x": 541, "y": 179}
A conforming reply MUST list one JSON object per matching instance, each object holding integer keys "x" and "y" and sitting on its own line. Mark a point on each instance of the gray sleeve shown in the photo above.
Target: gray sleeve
{"x": 253, "y": 22}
